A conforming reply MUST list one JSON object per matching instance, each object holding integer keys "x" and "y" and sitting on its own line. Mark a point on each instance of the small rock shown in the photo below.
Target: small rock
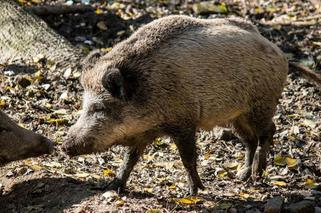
{"x": 67, "y": 73}
{"x": 9, "y": 73}
{"x": 76, "y": 74}
{"x": 1, "y": 189}
{"x": 304, "y": 206}
{"x": 64, "y": 96}
{"x": 70, "y": 2}
{"x": 89, "y": 42}
{"x": 45, "y": 86}
{"x": 10, "y": 174}
{"x": 110, "y": 196}
{"x": 102, "y": 26}
{"x": 85, "y": 1}
{"x": 274, "y": 205}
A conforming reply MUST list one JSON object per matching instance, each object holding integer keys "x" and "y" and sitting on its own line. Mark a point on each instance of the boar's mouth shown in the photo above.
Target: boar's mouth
{"x": 3, "y": 160}
{"x": 73, "y": 148}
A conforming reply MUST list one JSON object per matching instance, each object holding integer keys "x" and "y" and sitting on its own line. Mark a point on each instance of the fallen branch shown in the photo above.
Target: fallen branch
{"x": 59, "y": 9}
{"x": 314, "y": 76}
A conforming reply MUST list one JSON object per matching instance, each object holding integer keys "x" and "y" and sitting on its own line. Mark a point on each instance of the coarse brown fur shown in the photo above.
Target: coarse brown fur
{"x": 18, "y": 143}
{"x": 176, "y": 75}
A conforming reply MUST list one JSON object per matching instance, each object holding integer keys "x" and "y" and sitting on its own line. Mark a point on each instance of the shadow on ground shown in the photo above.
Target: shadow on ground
{"x": 45, "y": 195}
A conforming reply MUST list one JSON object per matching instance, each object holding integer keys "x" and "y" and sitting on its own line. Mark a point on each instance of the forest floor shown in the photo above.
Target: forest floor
{"x": 48, "y": 102}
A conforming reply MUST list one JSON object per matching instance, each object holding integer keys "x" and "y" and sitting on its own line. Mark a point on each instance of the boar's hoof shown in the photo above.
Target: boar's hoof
{"x": 193, "y": 189}
{"x": 259, "y": 163}
{"x": 117, "y": 185}
{"x": 244, "y": 173}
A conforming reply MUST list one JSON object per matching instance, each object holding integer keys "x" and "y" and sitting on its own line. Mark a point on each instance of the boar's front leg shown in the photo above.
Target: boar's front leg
{"x": 131, "y": 158}
{"x": 185, "y": 142}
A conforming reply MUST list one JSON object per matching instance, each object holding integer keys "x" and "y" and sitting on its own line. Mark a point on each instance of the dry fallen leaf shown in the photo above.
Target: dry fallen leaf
{"x": 102, "y": 26}
{"x": 149, "y": 190}
{"x": 221, "y": 173}
{"x": 58, "y": 121}
{"x": 244, "y": 195}
{"x": 231, "y": 166}
{"x": 33, "y": 165}
{"x": 291, "y": 162}
{"x": 278, "y": 183}
{"x": 309, "y": 182}
{"x": 82, "y": 174}
{"x": 120, "y": 202}
{"x": 189, "y": 201}
{"x": 99, "y": 11}
{"x": 280, "y": 160}
{"x": 173, "y": 186}
{"x": 2, "y": 103}
{"x": 108, "y": 173}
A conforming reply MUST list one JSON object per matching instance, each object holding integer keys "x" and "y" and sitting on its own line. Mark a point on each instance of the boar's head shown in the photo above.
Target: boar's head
{"x": 18, "y": 143}
{"x": 112, "y": 109}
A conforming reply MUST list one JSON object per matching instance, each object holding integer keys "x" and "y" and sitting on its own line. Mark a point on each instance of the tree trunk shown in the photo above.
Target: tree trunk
{"x": 24, "y": 36}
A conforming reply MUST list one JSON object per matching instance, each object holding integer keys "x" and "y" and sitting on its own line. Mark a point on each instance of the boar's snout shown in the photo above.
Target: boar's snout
{"x": 73, "y": 146}
{"x": 22, "y": 149}
{"x": 48, "y": 145}
{"x": 18, "y": 143}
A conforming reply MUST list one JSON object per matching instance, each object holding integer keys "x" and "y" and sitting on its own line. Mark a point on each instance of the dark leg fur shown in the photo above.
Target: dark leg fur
{"x": 250, "y": 141}
{"x": 263, "y": 148}
{"x": 131, "y": 158}
{"x": 257, "y": 132}
{"x": 185, "y": 142}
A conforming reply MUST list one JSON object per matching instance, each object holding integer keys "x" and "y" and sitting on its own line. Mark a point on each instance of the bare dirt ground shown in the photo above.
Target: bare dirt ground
{"x": 48, "y": 102}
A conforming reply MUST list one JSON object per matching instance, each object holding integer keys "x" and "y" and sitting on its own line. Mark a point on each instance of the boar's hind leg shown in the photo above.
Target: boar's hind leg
{"x": 265, "y": 135}
{"x": 249, "y": 139}
{"x": 260, "y": 119}
{"x": 131, "y": 158}
{"x": 185, "y": 142}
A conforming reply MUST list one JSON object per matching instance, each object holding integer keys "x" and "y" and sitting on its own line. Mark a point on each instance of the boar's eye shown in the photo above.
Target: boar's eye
{"x": 3, "y": 130}
{"x": 96, "y": 107}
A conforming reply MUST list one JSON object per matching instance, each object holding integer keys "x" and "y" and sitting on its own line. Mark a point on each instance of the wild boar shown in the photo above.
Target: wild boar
{"x": 173, "y": 76}
{"x": 18, "y": 143}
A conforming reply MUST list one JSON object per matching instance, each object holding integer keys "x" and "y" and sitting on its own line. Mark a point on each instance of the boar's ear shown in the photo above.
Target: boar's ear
{"x": 90, "y": 60}
{"x": 120, "y": 85}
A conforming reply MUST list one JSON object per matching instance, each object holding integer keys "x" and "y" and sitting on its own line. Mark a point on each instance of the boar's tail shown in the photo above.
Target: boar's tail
{"x": 306, "y": 72}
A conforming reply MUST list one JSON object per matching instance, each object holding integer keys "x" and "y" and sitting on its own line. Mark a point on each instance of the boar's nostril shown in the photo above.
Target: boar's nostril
{"x": 48, "y": 143}
{"x": 69, "y": 150}
{"x": 67, "y": 147}
{"x": 73, "y": 146}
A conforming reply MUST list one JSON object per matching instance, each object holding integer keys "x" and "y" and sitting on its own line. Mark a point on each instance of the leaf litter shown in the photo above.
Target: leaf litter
{"x": 49, "y": 102}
